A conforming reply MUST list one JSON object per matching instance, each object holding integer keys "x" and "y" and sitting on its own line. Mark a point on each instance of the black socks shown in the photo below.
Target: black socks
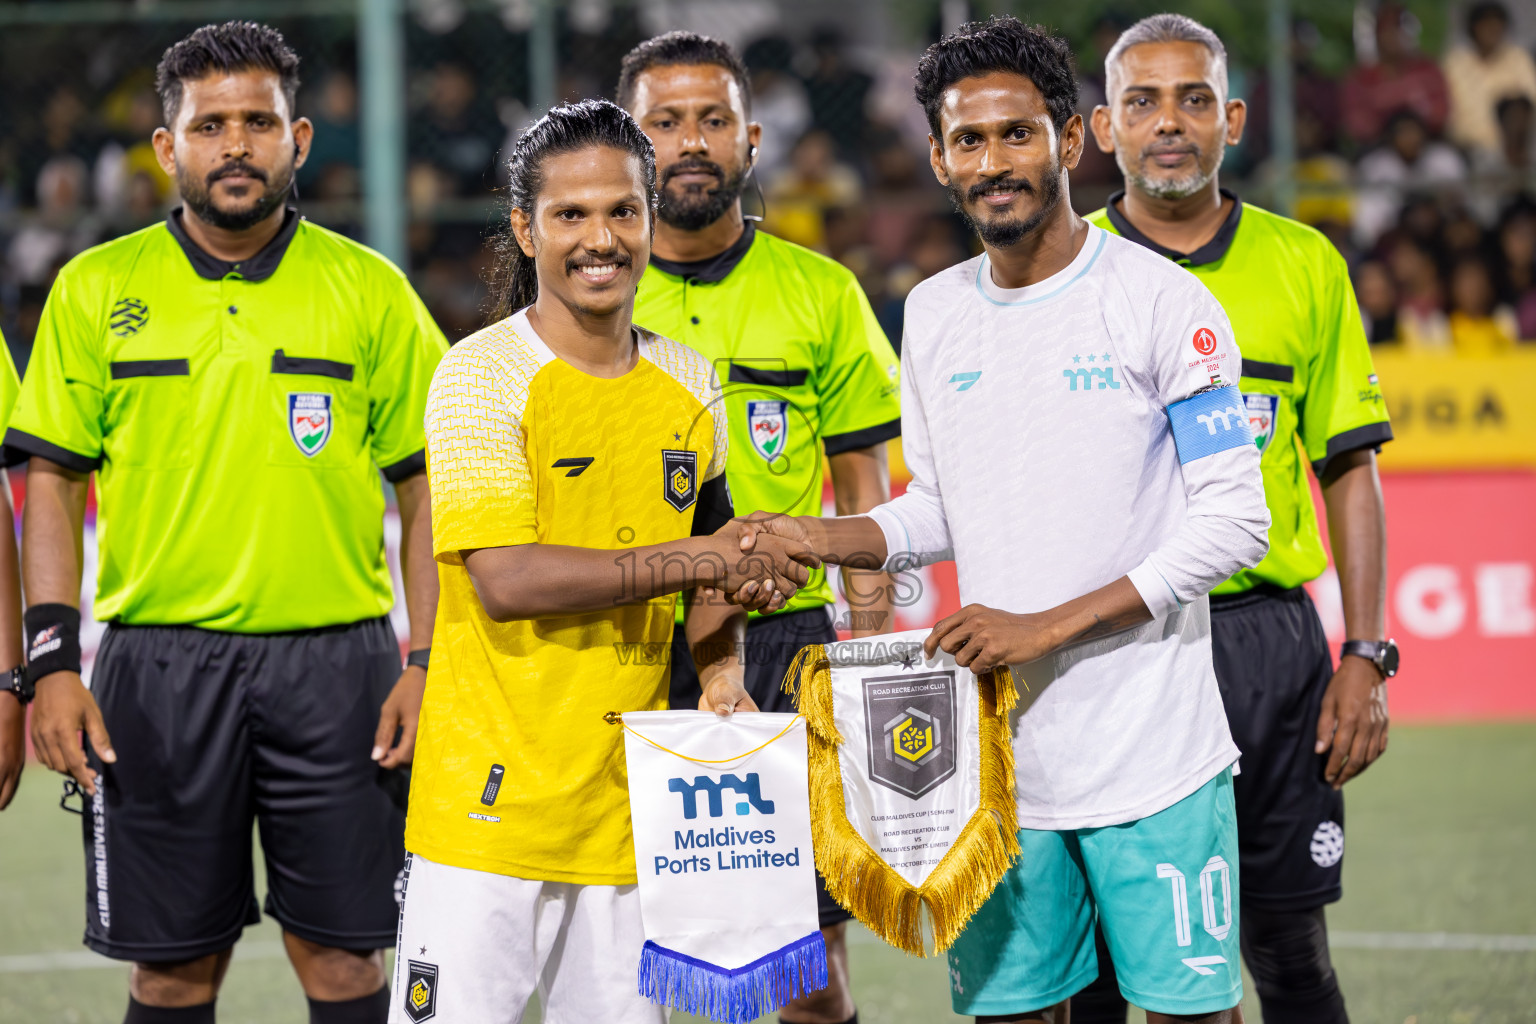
{"x": 202, "y": 1013}
{"x": 372, "y": 1009}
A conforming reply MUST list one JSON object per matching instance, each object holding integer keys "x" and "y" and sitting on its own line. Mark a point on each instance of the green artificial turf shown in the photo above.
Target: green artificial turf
{"x": 1442, "y": 839}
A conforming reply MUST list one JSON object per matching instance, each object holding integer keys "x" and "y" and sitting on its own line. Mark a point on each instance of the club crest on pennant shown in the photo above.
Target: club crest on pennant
{"x": 1261, "y": 417}
{"x": 309, "y": 420}
{"x": 912, "y": 739}
{"x": 680, "y": 473}
{"x": 768, "y": 425}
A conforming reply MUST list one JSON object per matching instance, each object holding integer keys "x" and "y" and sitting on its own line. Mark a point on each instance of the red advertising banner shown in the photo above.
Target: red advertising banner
{"x": 1461, "y": 594}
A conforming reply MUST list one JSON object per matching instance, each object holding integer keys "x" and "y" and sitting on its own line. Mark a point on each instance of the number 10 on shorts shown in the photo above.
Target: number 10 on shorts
{"x": 1218, "y": 928}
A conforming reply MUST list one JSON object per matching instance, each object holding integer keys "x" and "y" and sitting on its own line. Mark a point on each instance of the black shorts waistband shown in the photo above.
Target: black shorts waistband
{"x": 1256, "y": 594}
{"x": 341, "y": 627}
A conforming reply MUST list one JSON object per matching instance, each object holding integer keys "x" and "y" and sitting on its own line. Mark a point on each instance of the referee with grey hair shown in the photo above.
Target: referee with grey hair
{"x": 1304, "y": 727}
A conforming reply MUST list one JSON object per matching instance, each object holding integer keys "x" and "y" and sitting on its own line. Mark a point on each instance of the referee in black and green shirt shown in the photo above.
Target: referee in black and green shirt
{"x": 236, "y": 379}
{"x": 1304, "y": 727}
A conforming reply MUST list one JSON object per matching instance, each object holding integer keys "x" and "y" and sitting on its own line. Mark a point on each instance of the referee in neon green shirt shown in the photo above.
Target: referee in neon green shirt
{"x": 236, "y": 379}
{"x": 1304, "y": 727}
{"x": 13, "y": 690}
{"x": 804, "y": 365}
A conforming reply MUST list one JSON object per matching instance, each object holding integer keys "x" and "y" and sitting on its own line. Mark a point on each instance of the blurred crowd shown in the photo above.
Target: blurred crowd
{"x": 1419, "y": 169}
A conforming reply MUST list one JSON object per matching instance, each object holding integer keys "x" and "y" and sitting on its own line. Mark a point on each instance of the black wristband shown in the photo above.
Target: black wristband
{"x": 52, "y": 634}
{"x": 419, "y": 658}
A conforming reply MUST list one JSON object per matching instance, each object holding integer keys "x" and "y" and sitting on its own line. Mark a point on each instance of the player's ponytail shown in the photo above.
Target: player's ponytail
{"x": 566, "y": 128}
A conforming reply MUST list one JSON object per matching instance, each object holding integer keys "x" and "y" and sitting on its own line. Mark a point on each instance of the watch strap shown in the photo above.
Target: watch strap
{"x": 1381, "y": 653}
{"x": 17, "y": 682}
{"x": 1370, "y": 650}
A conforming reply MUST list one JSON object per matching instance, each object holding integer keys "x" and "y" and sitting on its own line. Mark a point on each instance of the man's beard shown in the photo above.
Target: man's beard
{"x": 198, "y": 195}
{"x": 1171, "y": 188}
{"x": 1003, "y": 233}
{"x": 697, "y": 208}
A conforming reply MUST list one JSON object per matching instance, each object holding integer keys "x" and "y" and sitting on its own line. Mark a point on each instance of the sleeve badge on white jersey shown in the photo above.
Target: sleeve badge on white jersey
{"x": 1212, "y": 352}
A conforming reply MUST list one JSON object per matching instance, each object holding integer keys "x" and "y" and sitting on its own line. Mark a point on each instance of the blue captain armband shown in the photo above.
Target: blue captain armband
{"x": 1209, "y": 422}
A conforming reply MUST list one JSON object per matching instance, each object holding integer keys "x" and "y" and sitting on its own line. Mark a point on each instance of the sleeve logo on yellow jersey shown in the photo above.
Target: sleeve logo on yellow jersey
{"x": 680, "y": 472}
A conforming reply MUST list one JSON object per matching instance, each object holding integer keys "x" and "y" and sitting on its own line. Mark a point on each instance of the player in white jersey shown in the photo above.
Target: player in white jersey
{"x": 1078, "y": 447}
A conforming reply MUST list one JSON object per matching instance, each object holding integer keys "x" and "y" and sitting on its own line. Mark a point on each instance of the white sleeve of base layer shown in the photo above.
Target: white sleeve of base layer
{"x": 1226, "y": 526}
{"x": 916, "y": 531}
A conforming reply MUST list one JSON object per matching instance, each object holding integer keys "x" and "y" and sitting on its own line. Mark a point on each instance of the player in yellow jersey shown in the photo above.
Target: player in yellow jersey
{"x": 577, "y": 466}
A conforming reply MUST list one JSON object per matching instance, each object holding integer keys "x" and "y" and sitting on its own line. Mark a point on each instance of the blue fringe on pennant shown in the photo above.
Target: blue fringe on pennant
{"x": 737, "y": 996}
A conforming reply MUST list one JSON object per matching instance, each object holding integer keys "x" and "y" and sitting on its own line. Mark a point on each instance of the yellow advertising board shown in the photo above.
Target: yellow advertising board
{"x": 1456, "y": 412}
{"x": 1448, "y": 412}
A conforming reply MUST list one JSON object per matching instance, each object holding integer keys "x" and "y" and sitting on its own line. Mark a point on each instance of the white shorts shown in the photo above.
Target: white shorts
{"x": 474, "y": 946}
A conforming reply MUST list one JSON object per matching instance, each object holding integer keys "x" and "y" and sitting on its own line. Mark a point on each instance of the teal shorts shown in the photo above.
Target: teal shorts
{"x": 1165, "y": 889}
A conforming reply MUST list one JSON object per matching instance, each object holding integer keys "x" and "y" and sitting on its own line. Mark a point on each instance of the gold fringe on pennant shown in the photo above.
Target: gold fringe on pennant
{"x": 809, "y": 683}
{"x": 1004, "y": 689}
{"x": 859, "y": 878}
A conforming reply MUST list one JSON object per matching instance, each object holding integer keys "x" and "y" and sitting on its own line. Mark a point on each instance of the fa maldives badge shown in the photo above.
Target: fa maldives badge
{"x": 1261, "y": 417}
{"x": 768, "y": 423}
{"x": 309, "y": 420}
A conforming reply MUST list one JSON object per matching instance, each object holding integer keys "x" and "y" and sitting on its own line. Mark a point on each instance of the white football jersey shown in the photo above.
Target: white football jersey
{"x": 1061, "y": 436}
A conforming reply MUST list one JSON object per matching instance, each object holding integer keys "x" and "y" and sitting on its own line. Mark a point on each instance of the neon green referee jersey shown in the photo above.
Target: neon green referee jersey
{"x": 803, "y": 363}
{"x": 237, "y": 417}
{"x": 10, "y": 386}
{"x": 1308, "y": 380}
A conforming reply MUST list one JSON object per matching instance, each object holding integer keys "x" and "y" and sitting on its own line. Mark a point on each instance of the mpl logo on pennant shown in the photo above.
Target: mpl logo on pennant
{"x": 722, "y": 826}
{"x": 309, "y": 420}
{"x": 768, "y": 425}
{"x": 1262, "y": 410}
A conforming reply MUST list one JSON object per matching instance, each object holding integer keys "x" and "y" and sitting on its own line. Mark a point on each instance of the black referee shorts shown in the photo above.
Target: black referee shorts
{"x": 771, "y": 644}
{"x": 215, "y": 731}
{"x": 1273, "y": 665}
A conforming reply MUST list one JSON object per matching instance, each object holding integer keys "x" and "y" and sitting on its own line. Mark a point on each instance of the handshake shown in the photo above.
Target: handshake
{"x": 765, "y": 558}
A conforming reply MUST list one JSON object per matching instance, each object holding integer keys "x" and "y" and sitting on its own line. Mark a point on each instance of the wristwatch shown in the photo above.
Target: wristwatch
{"x": 15, "y": 681}
{"x": 1381, "y": 653}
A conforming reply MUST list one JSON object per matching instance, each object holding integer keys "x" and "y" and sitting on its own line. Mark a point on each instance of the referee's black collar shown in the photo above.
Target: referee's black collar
{"x": 714, "y": 269}
{"x": 1210, "y": 252}
{"x": 258, "y": 268}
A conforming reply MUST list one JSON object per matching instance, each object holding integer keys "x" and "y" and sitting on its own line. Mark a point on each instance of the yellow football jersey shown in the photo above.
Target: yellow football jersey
{"x": 515, "y": 771}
